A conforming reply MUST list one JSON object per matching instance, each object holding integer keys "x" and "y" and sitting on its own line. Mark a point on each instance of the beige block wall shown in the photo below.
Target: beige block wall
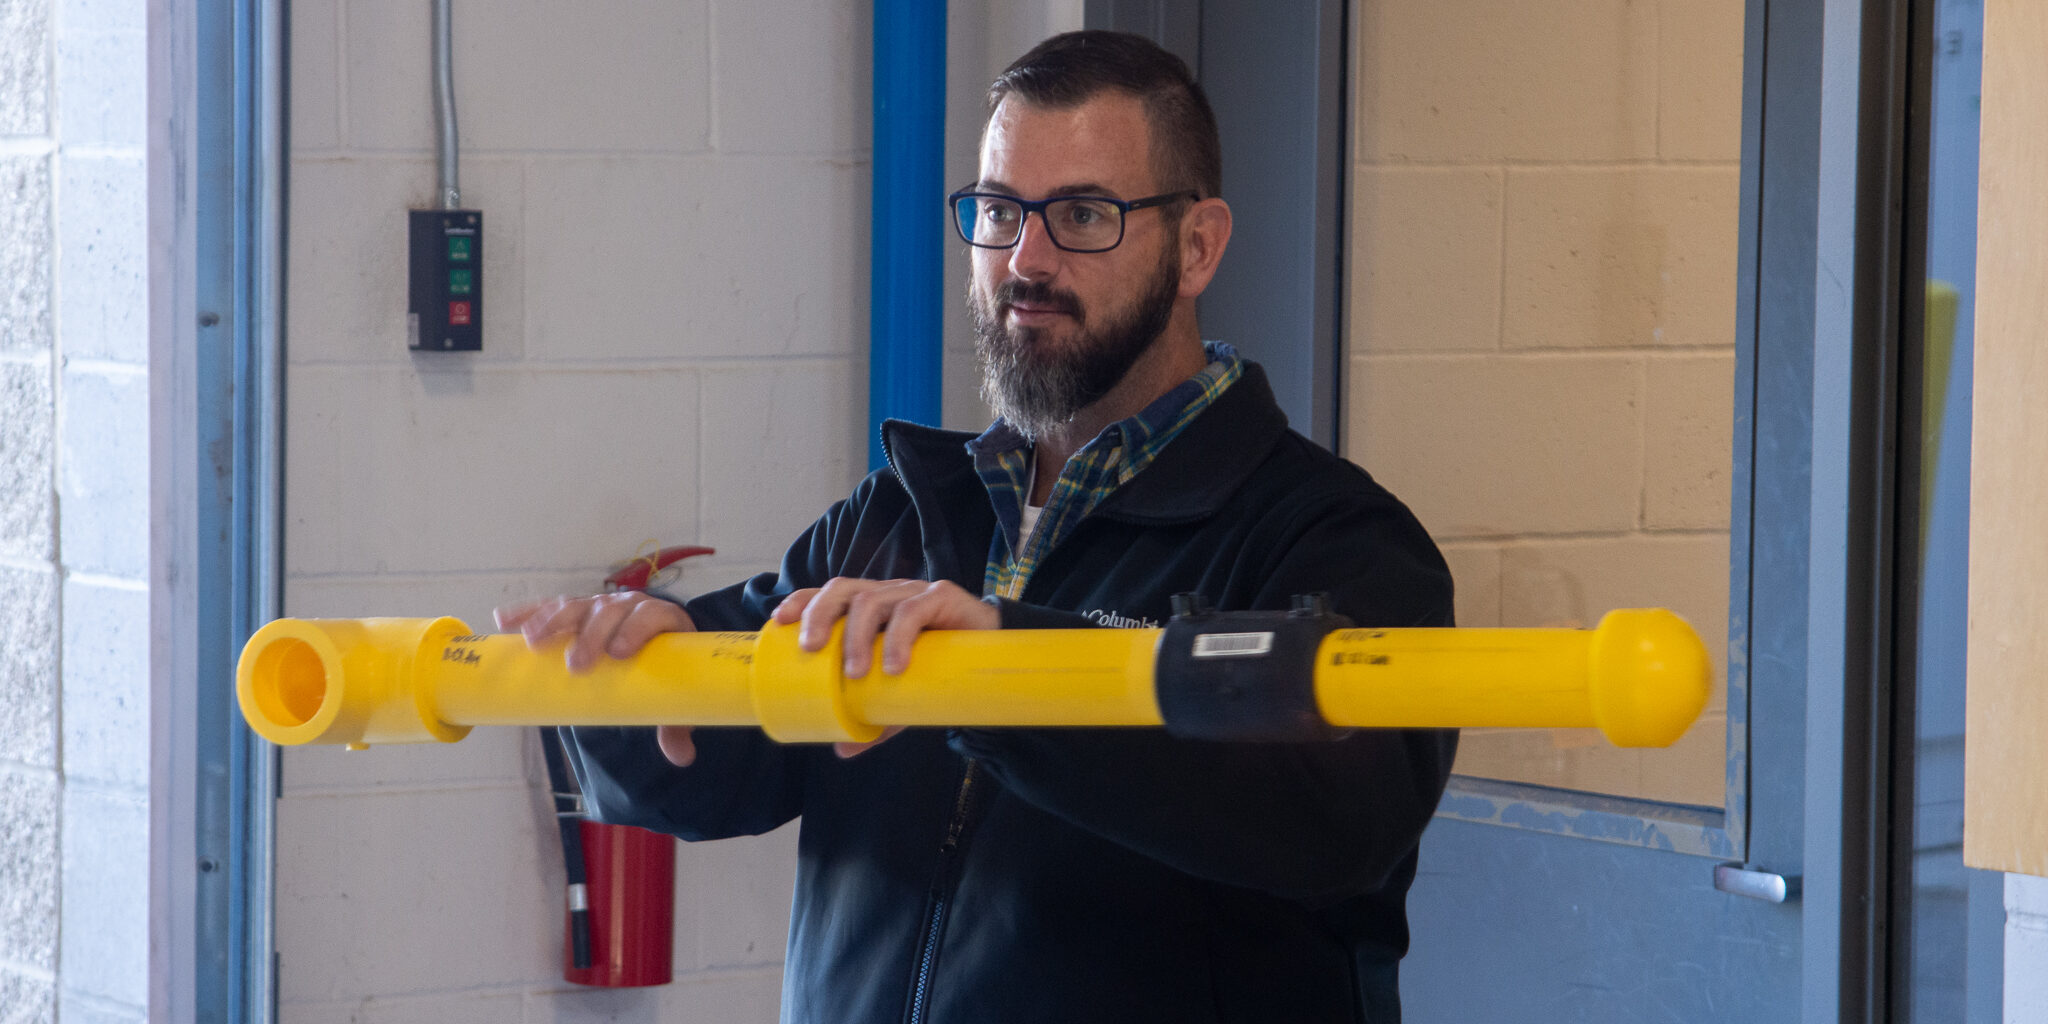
{"x": 1543, "y": 254}
{"x": 674, "y": 349}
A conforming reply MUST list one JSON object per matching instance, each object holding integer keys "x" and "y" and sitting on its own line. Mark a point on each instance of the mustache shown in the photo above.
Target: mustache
{"x": 1039, "y": 294}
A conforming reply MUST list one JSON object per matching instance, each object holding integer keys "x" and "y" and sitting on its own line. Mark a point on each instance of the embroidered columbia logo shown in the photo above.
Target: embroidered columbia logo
{"x": 1118, "y": 620}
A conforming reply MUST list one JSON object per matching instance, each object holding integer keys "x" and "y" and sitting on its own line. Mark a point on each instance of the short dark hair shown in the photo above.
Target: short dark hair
{"x": 1074, "y": 67}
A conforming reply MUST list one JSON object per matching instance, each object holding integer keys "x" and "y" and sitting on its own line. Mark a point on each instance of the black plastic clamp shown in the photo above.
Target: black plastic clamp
{"x": 1244, "y": 675}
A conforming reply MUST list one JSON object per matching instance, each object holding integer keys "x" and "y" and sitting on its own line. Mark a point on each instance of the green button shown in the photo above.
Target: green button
{"x": 458, "y": 247}
{"x": 459, "y": 281}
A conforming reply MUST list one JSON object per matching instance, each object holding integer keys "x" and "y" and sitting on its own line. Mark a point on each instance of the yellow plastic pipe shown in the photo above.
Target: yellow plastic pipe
{"x": 1641, "y": 677}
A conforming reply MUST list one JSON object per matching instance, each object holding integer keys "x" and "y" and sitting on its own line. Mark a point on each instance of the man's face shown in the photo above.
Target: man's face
{"x": 1057, "y": 330}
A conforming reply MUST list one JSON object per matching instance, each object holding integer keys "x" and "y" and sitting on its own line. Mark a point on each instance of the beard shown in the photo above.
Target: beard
{"x": 1036, "y": 386}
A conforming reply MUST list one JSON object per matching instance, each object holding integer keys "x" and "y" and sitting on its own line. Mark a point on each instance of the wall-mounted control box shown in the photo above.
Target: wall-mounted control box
{"x": 447, "y": 286}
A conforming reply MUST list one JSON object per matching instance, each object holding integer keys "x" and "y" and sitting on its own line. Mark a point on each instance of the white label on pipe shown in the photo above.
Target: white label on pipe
{"x": 1233, "y": 645}
{"x": 579, "y": 897}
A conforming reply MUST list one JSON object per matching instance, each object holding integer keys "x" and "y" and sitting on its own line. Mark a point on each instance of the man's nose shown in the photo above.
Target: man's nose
{"x": 1034, "y": 258}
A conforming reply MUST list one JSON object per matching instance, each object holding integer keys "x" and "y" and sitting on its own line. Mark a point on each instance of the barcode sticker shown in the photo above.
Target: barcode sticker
{"x": 1233, "y": 645}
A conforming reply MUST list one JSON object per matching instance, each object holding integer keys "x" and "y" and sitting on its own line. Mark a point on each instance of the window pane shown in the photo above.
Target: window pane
{"x": 1542, "y": 326}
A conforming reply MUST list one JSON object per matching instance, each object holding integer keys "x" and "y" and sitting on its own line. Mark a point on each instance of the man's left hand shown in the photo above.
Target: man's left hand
{"x": 896, "y": 609}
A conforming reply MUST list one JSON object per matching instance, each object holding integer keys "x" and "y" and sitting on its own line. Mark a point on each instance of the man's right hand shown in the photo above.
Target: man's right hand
{"x": 612, "y": 625}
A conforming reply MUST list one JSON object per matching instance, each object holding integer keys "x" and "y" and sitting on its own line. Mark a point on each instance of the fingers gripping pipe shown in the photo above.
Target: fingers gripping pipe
{"x": 1641, "y": 677}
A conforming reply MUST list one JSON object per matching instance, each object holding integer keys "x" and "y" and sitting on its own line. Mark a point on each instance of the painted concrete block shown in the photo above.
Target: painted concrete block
{"x": 739, "y": 997}
{"x": 486, "y": 757}
{"x": 1566, "y": 758}
{"x": 2026, "y": 949}
{"x": 405, "y": 893}
{"x": 1620, "y": 257}
{"x": 103, "y": 477}
{"x": 24, "y": 67}
{"x": 106, "y": 684}
{"x": 1693, "y": 770}
{"x": 606, "y": 75}
{"x": 347, "y": 270}
{"x": 1699, "y": 81}
{"x": 2026, "y": 902}
{"x": 793, "y": 84}
{"x": 28, "y": 869}
{"x": 1475, "y": 575}
{"x": 28, "y": 420}
{"x": 1425, "y": 259}
{"x": 438, "y": 1008}
{"x": 28, "y": 667}
{"x": 106, "y": 893}
{"x": 1572, "y": 583}
{"x": 1494, "y": 447}
{"x": 26, "y": 999}
{"x": 1688, "y": 438}
{"x": 75, "y": 16}
{"x": 102, "y": 75}
{"x": 102, "y": 245}
{"x": 316, "y": 81}
{"x": 691, "y": 258}
{"x": 780, "y": 446}
{"x": 961, "y": 406}
{"x": 79, "y": 1008}
{"x": 1478, "y": 80}
{"x": 742, "y": 996}
{"x": 469, "y": 597}
{"x": 493, "y": 469}
{"x": 733, "y": 898}
{"x": 25, "y": 248}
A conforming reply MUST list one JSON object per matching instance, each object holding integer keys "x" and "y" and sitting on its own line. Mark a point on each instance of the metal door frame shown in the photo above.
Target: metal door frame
{"x": 216, "y": 208}
{"x": 1821, "y": 304}
{"x": 1285, "y": 123}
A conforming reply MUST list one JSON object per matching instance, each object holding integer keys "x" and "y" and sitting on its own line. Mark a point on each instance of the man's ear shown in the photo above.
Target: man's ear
{"x": 1204, "y": 232}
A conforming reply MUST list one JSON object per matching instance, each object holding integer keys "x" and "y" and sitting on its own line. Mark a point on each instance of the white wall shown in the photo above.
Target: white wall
{"x": 2026, "y": 949}
{"x": 675, "y": 197}
{"x": 74, "y": 476}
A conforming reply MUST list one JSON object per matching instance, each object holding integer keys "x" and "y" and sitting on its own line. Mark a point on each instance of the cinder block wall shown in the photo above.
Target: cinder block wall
{"x": 675, "y": 198}
{"x": 73, "y": 513}
{"x": 1543, "y": 307}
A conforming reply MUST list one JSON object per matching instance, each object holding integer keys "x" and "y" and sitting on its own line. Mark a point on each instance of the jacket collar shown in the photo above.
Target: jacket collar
{"x": 1190, "y": 479}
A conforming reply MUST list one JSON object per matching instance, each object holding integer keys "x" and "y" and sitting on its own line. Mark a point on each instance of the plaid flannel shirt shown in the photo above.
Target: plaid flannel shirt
{"x": 1002, "y": 456}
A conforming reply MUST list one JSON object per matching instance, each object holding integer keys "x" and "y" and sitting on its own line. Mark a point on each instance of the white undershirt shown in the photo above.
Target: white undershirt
{"x": 1030, "y": 521}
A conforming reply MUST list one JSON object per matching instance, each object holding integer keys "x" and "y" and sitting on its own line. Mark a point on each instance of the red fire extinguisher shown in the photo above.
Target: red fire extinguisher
{"x": 620, "y": 928}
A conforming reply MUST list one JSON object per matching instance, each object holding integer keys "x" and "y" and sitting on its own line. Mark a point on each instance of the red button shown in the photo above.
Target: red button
{"x": 458, "y": 314}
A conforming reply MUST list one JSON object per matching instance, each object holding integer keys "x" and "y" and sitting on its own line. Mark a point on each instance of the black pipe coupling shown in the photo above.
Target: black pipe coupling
{"x": 1244, "y": 675}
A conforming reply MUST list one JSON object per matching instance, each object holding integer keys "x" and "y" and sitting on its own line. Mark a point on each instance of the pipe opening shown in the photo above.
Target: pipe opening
{"x": 290, "y": 682}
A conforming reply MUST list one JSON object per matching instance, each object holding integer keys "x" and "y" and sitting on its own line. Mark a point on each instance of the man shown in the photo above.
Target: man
{"x": 989, "y": 875}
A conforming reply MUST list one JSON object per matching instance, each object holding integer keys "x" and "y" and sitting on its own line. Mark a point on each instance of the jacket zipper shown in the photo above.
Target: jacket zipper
{"x": 942, "y": 885}
{"x": 889, "y": 456}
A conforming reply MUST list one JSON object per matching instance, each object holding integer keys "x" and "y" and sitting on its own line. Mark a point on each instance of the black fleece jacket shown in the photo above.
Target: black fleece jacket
{"x": 978, "y": 876}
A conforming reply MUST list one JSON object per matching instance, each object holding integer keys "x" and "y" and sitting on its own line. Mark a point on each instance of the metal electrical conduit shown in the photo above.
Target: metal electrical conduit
{"x": 449, "y": 192}
{"x": 904, "y": 352}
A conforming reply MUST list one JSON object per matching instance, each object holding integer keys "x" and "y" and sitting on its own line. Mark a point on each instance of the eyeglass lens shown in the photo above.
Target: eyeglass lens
{"x": 1078, "y": 223}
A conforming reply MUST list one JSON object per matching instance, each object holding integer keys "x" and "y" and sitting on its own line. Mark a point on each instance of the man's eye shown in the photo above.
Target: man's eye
{"x": 1084, "y": 215}
{"x": 1000, "y": 213}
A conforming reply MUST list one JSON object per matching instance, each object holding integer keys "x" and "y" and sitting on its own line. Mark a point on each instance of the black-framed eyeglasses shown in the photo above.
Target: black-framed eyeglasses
{"x": 991, "y": 220}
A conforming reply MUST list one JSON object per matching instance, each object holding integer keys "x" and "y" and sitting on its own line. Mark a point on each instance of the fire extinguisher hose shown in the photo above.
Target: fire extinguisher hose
{"x": 568, "y": 817}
